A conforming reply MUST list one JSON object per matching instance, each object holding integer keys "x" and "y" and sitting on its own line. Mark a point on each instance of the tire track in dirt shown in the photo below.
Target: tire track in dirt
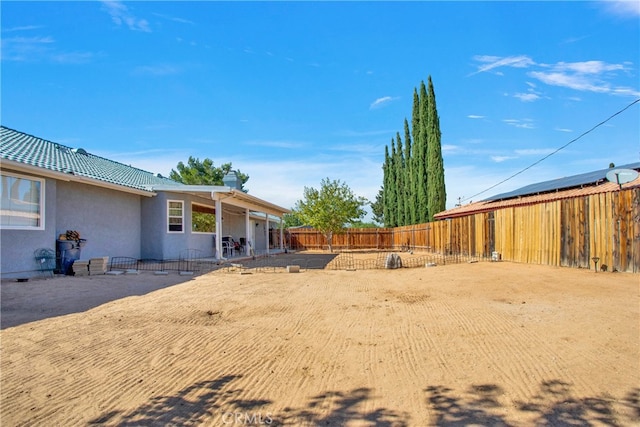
{"x": 525, "y": 359}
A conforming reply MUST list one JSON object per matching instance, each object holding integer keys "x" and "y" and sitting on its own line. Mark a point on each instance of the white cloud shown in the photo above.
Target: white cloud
{"x": 572, "y": 81}
{"x": 26, "y": 48}
{"x": 591, "y": 76}
{"x": 588, "y": 67}
{"x": 174, "y": 19}
{"x": 474, "y": 116}
{"x": 380, "y": 102}
{"x": 523, "y": 123}
{"x": 623, "y": 8}
{"x": 586, "y": 76}
{"x": 489, "y": 63}
{"x": 527, "y": 97}
{"x": 21, "y": 28}
{"x": 563, "y": 130}
{"x": 121, "y": 15}
{"x": 500, "y": 159}
{"x": 73, "y": 57}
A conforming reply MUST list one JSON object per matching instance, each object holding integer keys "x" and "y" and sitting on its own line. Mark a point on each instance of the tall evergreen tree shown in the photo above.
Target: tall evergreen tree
{"x": 422, "y": 173}
{"x": 435, "y": 187}
{"x": 415, "y": 133}
{"x": 413, "y": 175}
{"x": 409, "y": 215}
{"x": 392, "y": 195}
{"x": 399, "y": 167}
{"x": 386, "y": 187}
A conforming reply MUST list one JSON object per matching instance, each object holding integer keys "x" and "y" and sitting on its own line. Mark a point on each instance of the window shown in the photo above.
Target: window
{"x": 22, "y": 204}
{"x": 175, "y": 216}
{"x": 203, "y": 219}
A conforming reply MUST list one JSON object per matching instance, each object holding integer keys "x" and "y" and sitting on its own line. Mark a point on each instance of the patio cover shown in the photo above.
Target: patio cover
{"x": 229, "y": 196}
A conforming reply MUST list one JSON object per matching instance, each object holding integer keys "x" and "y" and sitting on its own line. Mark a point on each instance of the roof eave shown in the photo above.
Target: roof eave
{"x": 221, "y": 192}
{"x": 70, "y": 177}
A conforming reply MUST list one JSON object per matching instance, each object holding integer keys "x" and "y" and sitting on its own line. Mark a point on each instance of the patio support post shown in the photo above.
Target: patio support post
{"x": 281, "y": 234}
{"x": 218, "y": 228}
{"x": 247, "y": 232}
{"x": 266, "y": 231}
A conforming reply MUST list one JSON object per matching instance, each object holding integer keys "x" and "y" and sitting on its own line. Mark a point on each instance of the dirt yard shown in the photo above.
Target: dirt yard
{"x": 465, "y": 344}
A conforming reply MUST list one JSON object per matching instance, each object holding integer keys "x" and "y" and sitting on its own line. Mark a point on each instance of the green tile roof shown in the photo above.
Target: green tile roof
{"x": 34, "y": 151}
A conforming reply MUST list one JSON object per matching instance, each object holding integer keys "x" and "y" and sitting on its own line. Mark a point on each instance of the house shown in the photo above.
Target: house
{"x": 575, "y": 221}
{"x": 48, "y": 188}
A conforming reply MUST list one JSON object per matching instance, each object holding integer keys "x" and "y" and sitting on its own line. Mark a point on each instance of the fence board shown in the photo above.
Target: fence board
{"x": 567, "y": 232}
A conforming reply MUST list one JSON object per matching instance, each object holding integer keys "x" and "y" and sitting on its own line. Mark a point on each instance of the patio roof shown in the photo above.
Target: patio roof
{"x": 225, "y": 194}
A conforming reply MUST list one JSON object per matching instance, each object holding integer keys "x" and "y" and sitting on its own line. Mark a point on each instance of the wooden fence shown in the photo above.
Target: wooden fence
{"x": 568, "y": 232}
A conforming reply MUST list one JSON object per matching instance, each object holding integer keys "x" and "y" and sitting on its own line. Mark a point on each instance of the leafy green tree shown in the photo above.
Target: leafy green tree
{"x": 330, "y": 208}
{"x": 292, "y": 219}
{"x": 436, "y": 192}
{"x": 361, "y": 224}
{"x": 197, "y": 172}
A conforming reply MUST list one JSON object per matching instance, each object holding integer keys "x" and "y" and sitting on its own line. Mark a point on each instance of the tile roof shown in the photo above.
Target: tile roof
{"x": 30, "y": 150}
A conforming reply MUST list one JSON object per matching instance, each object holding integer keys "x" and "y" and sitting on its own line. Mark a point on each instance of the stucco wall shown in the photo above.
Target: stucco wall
{"x": 17, "y": 246}
{"x": 108, "y": 219}
{"x": 158, "y": 243}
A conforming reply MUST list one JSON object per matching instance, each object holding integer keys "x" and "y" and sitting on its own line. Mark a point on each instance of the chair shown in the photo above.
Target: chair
{"x": 46, "y": 260}
{"x": 241, "y": 247}
{"x": 227, "y": 246}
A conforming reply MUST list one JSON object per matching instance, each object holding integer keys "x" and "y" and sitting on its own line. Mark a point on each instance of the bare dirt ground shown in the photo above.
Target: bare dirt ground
{"x": 465, "y": 344}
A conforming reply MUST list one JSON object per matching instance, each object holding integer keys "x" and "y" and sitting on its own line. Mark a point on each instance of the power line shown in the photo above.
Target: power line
{"x": 552, "y": 153}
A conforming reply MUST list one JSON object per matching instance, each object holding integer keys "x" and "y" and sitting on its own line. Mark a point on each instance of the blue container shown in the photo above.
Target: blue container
{"x": 69, "y": 251}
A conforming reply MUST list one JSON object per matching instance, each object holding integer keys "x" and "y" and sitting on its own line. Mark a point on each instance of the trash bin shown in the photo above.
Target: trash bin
{"x": 68, "y": 252}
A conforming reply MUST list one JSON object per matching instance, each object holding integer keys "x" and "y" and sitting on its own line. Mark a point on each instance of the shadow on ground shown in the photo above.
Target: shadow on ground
{"x": 305, "y": 261}
{"x": 553, "y": 405}
{"x": 220, "y": 401}
{"x": 41, "y": 299}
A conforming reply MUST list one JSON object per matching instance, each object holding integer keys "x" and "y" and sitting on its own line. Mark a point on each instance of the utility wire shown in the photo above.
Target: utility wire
{"x": 552, "y": 153}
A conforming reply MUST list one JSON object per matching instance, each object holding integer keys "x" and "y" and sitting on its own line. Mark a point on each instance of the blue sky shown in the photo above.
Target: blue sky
{"x": 292, "y": 93}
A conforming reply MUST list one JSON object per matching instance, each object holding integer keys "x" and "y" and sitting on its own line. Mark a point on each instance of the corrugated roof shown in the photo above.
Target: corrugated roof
{"x": 578, "y": 190}
{"x": 589, "y": 178}
{"x": 30, "y": 150}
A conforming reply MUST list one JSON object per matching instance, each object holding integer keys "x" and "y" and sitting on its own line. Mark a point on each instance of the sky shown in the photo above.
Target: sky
{"x": 291, "y": 93}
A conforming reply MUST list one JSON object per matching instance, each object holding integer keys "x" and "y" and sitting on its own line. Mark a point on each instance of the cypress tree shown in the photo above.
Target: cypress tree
{"x": 392, "y": 198}
{"x": 435, "y": 187}
{"x": 420, "y": 154}
{"x": 409, "y": 216}
{"x": 415, "y": 133}
{"x": 399, "y": 167}
{"x": 386, "y": 187}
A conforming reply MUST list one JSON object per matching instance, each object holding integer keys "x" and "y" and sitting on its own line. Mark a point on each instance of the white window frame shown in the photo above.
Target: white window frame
{"x": 169, "y": 216}
{"x": 200, "y": 232}
{"x": 41, "y": 203}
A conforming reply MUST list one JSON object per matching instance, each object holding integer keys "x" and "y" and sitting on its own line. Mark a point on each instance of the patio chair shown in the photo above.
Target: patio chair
{"x": 227, "y": 246}
{"x": 241, "y": 246}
